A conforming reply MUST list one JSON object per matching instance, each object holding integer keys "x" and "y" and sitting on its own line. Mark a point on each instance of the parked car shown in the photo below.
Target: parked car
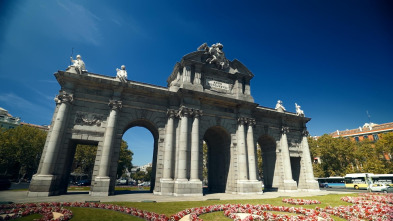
{"x": 378, "y": 187}
{"x": 84, "y": 183}
{"x": 5, "y": 183}
{"x": 121, "y": 182}
{"x": 389, "y": 189}
{"x": 144, "y": 184}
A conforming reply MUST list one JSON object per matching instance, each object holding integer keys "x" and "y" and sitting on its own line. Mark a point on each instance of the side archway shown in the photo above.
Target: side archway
{"x": 218, "y": 158}
{"x": 268, "y": 147}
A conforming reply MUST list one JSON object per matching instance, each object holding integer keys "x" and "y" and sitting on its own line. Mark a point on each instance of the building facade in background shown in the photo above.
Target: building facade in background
{"x": 369, "y": 131}
{"x": 7, "y": 121}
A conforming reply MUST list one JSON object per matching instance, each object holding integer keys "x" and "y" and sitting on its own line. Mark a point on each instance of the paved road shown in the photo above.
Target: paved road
{"x": 343, "y": 190}
{"x": 21, "y": 196}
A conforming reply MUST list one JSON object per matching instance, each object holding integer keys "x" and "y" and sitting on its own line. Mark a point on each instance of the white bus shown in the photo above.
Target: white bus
{"x": 382, "y": 179}
{"x": 358, "y": 180}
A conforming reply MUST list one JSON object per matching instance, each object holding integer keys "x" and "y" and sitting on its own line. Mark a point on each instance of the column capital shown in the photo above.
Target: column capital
{"x": 305, "y": 132}
{"x": 242, "y": 120}
{"x": 284, "y": 130}
{"x": 184, "y": 111}
{"x": 115, "y": 104}
{"x": 251, "y": 122}
{"x": 171, "y": 113}
{"x": 64, "y": 97}
{"x": 197, "y": 113}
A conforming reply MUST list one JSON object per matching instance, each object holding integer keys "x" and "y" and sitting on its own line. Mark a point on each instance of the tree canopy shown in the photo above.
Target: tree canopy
{"x": 340, "y": 156}
{"x": 20, "y": 150}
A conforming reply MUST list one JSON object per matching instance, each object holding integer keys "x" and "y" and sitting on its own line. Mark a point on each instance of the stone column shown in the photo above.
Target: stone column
{"x": 309, "y": 184}
{"x": 52, "y": 150}
{"x": 242, "y": 157}
{"x": 105, "y": 161}
{"x": 195, "y": 146}
{"x": 183, "y": 144}
{"x": 288, "y": 182}
{"x": 252, "y": 167}
{"x": 44, "y": 182}
{"x": 167, "y": 173}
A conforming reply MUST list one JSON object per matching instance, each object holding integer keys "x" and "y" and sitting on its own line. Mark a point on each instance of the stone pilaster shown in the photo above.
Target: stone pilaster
{"x": 187, "y": 74}
{"x": 287, "y": 184}
{"x": 102, "y": 181}
{"x": 42, "y": 181}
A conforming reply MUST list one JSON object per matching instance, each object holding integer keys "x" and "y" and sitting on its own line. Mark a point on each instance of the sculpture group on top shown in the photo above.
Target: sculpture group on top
{"x": 217, "y": 56}
{"x": 280, "y": 108}
{"x": 79, "y": 67}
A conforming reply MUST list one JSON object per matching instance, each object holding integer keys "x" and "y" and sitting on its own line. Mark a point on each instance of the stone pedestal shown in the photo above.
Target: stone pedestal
{"x": 187, "y": 188}
{"x": 245, "y": 187}
{"x": 41, "y": 186}
{"x": 288, "y": 186}
{"x": 167, "y": 187}
{"x": 101, "y": 187}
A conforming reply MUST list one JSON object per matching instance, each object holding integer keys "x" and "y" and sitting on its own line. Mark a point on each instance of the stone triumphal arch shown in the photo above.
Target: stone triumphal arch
{"x": 207, "y": 99}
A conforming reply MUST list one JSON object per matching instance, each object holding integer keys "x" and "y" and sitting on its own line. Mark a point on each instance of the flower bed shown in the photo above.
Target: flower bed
{"x": 367, "y": 207}
{"x": 300, "y": 201}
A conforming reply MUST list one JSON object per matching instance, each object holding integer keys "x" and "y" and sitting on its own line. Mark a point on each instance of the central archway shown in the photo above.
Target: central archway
{"x": 218, "y": 158}
{"x": 153, "y": 130}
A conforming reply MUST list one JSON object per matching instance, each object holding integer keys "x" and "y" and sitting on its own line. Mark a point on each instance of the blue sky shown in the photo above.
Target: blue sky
{"x": 333, "y": 57}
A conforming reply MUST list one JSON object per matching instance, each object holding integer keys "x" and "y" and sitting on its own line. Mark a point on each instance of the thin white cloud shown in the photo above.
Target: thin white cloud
{"x": 77, "y": 23}
{"x": 16, "y": 102}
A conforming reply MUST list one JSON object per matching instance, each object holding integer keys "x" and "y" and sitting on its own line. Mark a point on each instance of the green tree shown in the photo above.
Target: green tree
{"x": 260, "y": 163}
{"x": 204, "y": 165}
{"x": 84, "y": 159}
{"x": 125, "y": 159}
{"x": 385, "y": 147}
{"x": 20, "y": 150}
{"x": 336, "y": 154}
{"x": 148, "y": 174}
{"x": 85, "y": 155}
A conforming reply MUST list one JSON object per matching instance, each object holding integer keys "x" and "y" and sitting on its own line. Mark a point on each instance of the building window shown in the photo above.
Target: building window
{"x": 375, "y": 136}
{"x": 365, "y": 137}
{"x": 357, "y": 139}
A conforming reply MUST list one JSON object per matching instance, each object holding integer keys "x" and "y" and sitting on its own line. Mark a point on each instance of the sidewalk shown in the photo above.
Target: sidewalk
{"x": 21, "y": 197}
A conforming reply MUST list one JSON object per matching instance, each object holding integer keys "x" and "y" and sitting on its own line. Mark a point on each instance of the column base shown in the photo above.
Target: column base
{"x": 183, "y": 187}
{"x": 41, "y": 185}
{"x": 100, "y": 186}
{"x": 310, "y": 186}
{"x": 167, "y": 187}
{"x": 288, "y": 186}
{"x": 246, "y": 187}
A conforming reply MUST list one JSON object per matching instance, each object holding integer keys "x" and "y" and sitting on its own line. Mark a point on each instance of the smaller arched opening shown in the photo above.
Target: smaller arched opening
{"x": 142, "y": 139}
{"x": 268, "y": 151}
{"x": 217, "y": 159}
{"x": 81, "y": 156}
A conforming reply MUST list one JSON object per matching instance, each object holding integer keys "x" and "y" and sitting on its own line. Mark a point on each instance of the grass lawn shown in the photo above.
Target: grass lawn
{"x": 170, "y": 208}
